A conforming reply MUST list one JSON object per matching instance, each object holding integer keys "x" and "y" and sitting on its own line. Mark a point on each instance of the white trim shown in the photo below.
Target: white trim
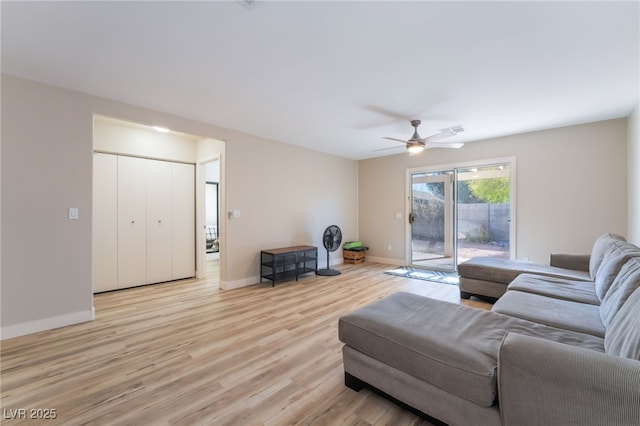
{"x": 45, "y": 324}
{"x": 463, "y": 164}
{"x": 384, "y": 260}
{"x": 255, "y": 280}
{"x": 245, "y": 282}
{"x": 201, "y": 179}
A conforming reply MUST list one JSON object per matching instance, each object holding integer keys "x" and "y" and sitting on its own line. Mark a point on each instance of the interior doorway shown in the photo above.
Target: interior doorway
{"x": 459, "y": 212}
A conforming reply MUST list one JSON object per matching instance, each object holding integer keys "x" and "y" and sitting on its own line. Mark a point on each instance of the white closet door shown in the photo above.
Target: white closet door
{"x": 132, "y": 222}
{"x": 159, "y": 221}
{"x": 184, "y": 245}
{"x": 105, "y": 222}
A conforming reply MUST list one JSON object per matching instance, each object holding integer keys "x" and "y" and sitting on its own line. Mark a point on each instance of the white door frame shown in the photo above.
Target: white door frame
{"x": 449, "y": 213}
{"x": 201, "y": 243}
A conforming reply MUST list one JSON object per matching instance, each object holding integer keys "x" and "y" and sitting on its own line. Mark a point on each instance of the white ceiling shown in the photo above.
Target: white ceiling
{"x": 338, "y": 76}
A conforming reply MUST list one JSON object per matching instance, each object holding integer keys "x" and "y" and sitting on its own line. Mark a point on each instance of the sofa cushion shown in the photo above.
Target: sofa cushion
{"x": 491, "y": 269}
{"x": 599, "y": 248}
{"x": 565, "y": 314}
{"x": 450, "y": 346}
{"x": 558, "y": 288}
{"x": 615, "y": 256}
{"x": 623, "y": 333}
{"x": 625, "y": 283}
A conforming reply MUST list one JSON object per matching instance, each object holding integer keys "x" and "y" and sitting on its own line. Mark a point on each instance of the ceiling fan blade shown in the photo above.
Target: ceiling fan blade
{"x": 396, "y": 116}
{"x": 385, "y": 149}
{"x": 395, "y": 140}
{"x": 444, "y": 145}
{"x": 443, "y": 134}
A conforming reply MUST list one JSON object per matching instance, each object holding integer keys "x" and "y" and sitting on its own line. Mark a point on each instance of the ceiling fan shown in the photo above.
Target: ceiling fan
{"x": 416, "y": 144}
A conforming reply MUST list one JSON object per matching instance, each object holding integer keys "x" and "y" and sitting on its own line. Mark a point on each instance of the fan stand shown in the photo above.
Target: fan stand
{"x": 327, "y": 272}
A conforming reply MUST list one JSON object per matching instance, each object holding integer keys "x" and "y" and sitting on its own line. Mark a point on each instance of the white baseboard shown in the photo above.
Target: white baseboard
{"x": 44, "y": 324}
{"x": 245, "y": 282}
{"x": 396, "y": 262}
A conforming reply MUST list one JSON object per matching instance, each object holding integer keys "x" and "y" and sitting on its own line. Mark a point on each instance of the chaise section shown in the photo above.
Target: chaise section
{"x": 361, "y": 370}
{"x": 490, "y": 276}
{"x": 448, "y": 347}
{"x": 453, "y": 349}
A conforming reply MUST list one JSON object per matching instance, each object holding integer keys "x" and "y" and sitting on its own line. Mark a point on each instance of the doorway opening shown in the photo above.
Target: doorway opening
{"x": 459, "y": 212}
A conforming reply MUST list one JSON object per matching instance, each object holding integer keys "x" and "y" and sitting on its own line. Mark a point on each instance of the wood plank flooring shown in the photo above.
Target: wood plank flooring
{"x": 187, "y": 353}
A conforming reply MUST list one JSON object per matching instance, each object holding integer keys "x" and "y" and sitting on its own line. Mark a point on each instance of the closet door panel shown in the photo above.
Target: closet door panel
{"x": 159, "y": 221}
{"x": 105, "y": 222}
{"x": 132, "y": 222}
{"x": 184, "y": 245}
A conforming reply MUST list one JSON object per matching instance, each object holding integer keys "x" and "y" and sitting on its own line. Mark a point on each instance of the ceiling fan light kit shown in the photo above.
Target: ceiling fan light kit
{"x": 415, "y": 148}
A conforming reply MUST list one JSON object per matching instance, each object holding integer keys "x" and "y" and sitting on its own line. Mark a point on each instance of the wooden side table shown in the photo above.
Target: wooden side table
{"x": 284, "y": 263}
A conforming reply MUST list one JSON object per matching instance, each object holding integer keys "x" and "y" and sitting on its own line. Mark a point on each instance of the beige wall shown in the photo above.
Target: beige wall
{"x": 634, "y": 176}
{"x": 286, "y": 195}
{"x": 118, "y": 137}
{"x": 581, "y": 171}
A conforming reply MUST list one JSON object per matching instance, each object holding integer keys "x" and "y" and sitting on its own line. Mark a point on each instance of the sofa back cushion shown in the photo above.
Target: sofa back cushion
{"x": 600, "y": 246}
{"x": 615, "y": 256}
{"x": 622, "y": 337}
{"x": 624, "y": 284}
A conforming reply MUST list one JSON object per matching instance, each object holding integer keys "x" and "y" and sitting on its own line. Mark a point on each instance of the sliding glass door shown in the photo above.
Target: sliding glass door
{"x": 458, "y": 213}
{"x": 432, "y": 220}
{"x": 484, "y": 211}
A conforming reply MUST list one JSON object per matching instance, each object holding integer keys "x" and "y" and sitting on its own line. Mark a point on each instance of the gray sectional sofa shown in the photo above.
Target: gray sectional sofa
{"x": 552, "y": 351}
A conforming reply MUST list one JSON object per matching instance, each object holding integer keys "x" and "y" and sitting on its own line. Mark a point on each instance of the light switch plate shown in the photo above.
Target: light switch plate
{"x": 73, "y": 213}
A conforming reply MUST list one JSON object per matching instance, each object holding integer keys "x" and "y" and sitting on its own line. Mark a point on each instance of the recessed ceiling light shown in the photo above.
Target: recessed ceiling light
{"x": 160, "y": 129}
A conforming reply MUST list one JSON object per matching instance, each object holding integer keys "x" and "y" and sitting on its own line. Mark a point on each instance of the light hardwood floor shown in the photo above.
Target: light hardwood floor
{"x": 187, "y": 353}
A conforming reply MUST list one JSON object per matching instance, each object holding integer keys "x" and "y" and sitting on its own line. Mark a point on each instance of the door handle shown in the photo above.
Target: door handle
{"x": 411, "y": 218}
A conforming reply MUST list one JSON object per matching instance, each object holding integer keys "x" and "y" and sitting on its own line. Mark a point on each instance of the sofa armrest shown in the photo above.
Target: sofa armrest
{"x": 541, "y": 382}
{"x": 577, "y": 262}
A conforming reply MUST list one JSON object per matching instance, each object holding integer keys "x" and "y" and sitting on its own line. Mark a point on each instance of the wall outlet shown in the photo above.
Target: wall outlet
{"x": 73, "y": 213}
